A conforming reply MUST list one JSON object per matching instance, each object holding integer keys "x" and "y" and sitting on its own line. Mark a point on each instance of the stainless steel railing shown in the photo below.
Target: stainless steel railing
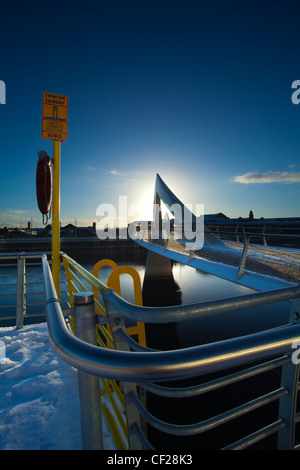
{"x": 155, "y": 366}
{"x": 21, "y": 288}
{"x": 260, "y": 231}
{"x": 131, "y": 363}
{"x": 134, "y": 364}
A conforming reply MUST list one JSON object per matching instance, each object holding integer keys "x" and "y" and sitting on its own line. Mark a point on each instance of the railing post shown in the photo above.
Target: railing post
{"x": 89, "y": 386}
{"x": 264, "y": 237}
{"x": 287, "y": 406}
{"x": 21, "y": 301}
{"x": 288, "y": 403}
{"x": 242, "y": 264}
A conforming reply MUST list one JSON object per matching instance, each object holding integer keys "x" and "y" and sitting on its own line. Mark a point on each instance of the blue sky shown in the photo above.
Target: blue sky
{"x": 197, "y": 91}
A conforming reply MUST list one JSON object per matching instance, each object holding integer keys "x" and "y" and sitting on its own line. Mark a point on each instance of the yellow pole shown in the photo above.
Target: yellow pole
{"x": 56, "y": 217}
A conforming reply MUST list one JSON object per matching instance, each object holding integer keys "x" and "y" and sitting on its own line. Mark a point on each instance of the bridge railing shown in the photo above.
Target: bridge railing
{"x": 258, "y": 231}
{"x": 21, "y": 289}
{"x": 140, "y": 368}
{"x": 245, "y": 232}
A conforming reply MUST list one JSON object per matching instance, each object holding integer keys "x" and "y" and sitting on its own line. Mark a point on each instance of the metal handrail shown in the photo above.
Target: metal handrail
{"x": 240, "y": 229}
{"x": 20, "y": 293}
{"x": 100, "y": 286}
{"x": 211, "y": 423}
{"x": 183, "y": 312}
{"x": 276, "y": 224}
{"x": 199, "y": 389}
{"x": 163, "y": 365}
{"x": 192, "y": 311}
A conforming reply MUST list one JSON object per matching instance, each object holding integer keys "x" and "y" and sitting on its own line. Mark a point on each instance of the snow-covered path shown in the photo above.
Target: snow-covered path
{"x": 39, "y": 402}
{"x": 274, "y": 261}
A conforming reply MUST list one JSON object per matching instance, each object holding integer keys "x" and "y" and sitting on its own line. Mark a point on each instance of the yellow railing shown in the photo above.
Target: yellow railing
{"x": 79, "y": 279}
{"x": 113, "y": 282}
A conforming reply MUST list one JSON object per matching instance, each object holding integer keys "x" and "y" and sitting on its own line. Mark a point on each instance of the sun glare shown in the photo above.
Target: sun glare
{"x": 146, "y": 205}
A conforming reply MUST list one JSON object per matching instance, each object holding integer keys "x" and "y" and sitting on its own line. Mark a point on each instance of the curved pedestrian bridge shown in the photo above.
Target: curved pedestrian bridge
{"x": 207, "y": 253}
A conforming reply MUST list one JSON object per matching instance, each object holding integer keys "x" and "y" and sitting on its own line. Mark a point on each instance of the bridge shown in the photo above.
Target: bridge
{"x": 205, "y": 251}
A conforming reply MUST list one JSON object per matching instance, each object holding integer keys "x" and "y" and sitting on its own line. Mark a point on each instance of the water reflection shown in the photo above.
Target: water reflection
{"x": 191, "y": 286}
{"x": 161, "y": 293}
{"x": 186, "y": 285}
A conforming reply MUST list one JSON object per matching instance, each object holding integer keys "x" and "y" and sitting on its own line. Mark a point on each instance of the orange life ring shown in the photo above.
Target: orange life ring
{"x": 43, "y": 182}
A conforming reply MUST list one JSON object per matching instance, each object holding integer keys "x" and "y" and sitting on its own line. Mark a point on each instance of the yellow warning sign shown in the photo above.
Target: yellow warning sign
{"x": 55, "y": 117}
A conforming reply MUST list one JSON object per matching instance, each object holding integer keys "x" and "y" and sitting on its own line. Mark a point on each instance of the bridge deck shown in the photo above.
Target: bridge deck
{"x": 272, "y": 261}
{"x": 266, "y": 267}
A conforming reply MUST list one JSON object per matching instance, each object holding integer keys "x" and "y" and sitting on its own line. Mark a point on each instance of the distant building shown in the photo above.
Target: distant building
{"x": 215, "y": 217}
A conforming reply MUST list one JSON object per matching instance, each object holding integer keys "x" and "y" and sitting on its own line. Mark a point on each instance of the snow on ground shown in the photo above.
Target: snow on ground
{"x": 39, "y": 402}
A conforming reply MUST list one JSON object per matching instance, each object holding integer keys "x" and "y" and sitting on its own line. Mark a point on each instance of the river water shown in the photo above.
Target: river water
{"x": 191, "y": 286}
{"x": 187, "y": 286}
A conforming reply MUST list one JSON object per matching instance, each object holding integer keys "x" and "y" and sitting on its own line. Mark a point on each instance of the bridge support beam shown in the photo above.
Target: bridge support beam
{"x": 158, "y": 266}
{"x": 160, "y": 290}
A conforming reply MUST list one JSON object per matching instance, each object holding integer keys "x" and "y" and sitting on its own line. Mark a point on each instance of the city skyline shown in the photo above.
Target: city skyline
{"x": 205, "y": 95}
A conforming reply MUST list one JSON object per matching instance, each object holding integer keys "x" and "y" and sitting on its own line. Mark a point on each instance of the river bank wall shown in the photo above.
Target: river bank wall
{"x": 80, "y": 249}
